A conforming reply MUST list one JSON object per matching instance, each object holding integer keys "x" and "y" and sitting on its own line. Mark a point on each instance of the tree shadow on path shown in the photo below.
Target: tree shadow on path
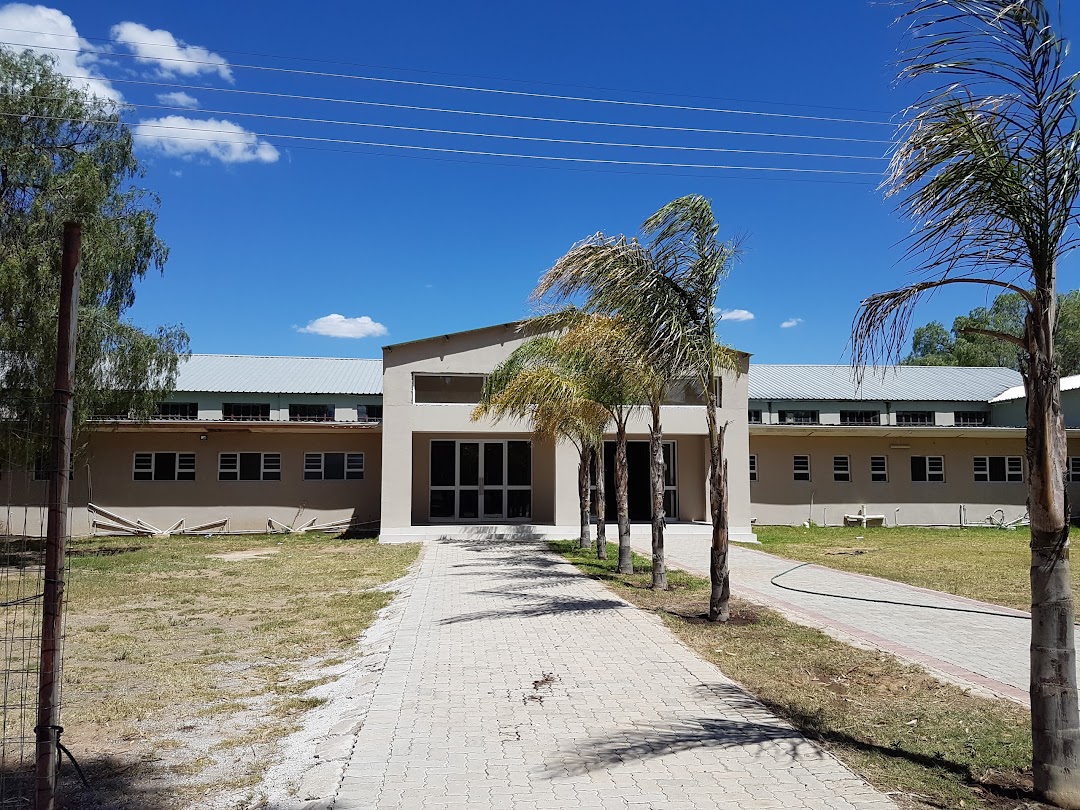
{"x": 527, "y": 605}
{"x": 756, "y": 738}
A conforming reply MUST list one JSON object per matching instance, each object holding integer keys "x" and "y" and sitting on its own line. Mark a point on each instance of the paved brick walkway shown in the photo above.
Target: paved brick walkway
{"x": 979, "y": 646}
{"x": 515, "y": 682}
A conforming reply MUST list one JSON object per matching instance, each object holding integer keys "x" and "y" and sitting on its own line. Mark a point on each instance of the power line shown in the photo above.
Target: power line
{"x": 444, "y": 150}
{"x": 562, "y": 168}
{"x": 565, "y": 168}
{"x": 472, "y": 89}
{"x": 457, "y": 75}
{"x": 508, "y": 116}
{"x": 533, "y": 139}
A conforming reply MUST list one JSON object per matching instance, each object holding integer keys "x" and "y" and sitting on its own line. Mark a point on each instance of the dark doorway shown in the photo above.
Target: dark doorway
{"x": 637, "y": 491}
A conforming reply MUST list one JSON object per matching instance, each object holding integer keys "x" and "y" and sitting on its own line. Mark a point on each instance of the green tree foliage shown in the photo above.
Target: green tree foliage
{"x": 667, "y": 290}
{"x": 66, "y": 156}
{"x": 969, "y": 345}
{"x": 554, "y": 388}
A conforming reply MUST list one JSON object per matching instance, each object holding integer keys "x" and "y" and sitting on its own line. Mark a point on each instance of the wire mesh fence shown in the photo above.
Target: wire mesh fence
{"x": 26, "y": 437}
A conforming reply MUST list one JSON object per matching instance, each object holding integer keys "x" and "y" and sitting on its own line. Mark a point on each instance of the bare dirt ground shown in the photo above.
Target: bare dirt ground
{"x": 220, "y": 672}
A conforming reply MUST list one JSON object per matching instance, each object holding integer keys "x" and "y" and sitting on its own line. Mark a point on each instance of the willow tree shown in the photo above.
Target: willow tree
{"x": 988, "y": 169}
{"x": 549, "y": 388}
{"x": 666, "y": 290}
{"x": 65, "y": 155}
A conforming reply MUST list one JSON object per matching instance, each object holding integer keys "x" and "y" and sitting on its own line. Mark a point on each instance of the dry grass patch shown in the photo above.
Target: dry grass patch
{"x": 931, "y": 744}
{"x": 990, "y": 565}
{"x": 191, "y": 656}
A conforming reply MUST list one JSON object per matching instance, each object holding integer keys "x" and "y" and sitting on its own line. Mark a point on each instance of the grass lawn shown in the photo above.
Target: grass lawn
{"x": 930, "y": 743}
{"x": 986, "y": 564}
{"x": 185, "y": 656}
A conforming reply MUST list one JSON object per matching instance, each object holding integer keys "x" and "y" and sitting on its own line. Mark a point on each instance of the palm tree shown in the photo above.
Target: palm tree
{"x": 623, "y": 379}
{"x": 691, "y": 261}
{"x": 539, "y": 383}
{"x": 667, "y": 291}
{"x": 988, "y": 167}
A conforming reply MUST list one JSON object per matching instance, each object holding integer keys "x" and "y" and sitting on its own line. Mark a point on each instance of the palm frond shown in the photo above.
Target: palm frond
{"x": 988, "y": 159}
{"x": 664, "y": 291}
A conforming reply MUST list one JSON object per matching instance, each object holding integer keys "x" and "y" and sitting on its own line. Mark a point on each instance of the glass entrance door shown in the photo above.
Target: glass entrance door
{"x": 494, "y": 480}
{"x": 481, "y": 481}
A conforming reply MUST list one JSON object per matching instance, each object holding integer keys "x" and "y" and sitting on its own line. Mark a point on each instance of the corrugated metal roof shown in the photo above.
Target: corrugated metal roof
{"x": 889, "y": 383}
{"x": 1017, "y": 391}
{"x": 280, "y": 375}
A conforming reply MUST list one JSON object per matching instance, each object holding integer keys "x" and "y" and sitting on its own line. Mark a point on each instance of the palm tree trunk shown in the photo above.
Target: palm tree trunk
{"x": 720, "y": 594}
{"x": 1055, "y": 718}
{"x": 601, "y": 504}
{"x": 583, "y": 495}
{"x": 622, "y": 505}
{"x": 656, "y": 470}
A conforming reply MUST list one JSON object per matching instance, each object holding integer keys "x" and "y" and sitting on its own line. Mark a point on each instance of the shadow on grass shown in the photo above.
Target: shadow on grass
{"x": 585, "y": 560}
{"x": 775, "y": 740}
{"x": 813, "y": 727}
{"x": 102, "y": 551}
{"x": 1000, "y": 789}
{"x": 114, "y": 784}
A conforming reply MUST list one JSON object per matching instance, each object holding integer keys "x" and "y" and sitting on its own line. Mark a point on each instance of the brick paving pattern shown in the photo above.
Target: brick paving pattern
{"x": 976, "y": 645}
{"x": 514, "y": 682}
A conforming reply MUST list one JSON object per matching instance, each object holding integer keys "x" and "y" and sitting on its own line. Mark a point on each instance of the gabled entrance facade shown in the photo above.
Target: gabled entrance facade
{"x": 446, "y": 474}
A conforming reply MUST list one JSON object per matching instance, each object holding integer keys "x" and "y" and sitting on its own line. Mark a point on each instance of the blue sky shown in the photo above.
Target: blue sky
{"x": 270, "y": 238}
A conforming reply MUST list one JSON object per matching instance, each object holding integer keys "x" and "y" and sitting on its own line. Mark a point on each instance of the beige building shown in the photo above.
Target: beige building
{"x": 910, "y": 445}
{"x": 276, "y": 443}
{"x": 450, "y": 474}
{"x": 244, "y": 444}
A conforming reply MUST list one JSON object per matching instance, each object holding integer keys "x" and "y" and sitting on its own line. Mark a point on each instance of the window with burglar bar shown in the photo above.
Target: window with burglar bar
{"x": 860, "y": 417}
{"x": 915, "y": 417}
{"x": 971, "y": 418}
{"x": 928, "y": 468}
{"x": 798, "y": 417}
{"x": 246, "y": 411}
{"x": 249, "y": 467}
{"x": 311, "y": 413}
{"x": 999, "y": 469}
{"x": 333, "y": 466}
{"x": 164, "y": 467}
{"x": 178, "y": 410}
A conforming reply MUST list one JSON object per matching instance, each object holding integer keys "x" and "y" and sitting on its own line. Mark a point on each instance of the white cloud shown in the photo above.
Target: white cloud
{"x": 790, "y": 322}
{"x": 736, "y": 315}
{"x": 178, "y": 99}
{"x": 188, "y": 138}
{"x": 335, "y": 325}
{"x": 171, "y": 55}
{"x": 52, "y": 30}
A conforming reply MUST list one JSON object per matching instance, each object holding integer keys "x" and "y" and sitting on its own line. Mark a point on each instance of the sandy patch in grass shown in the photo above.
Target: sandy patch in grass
{"x": 311, "y": 760}
{"x": 189, "y": 659}
{"x": 241, "y": 556}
